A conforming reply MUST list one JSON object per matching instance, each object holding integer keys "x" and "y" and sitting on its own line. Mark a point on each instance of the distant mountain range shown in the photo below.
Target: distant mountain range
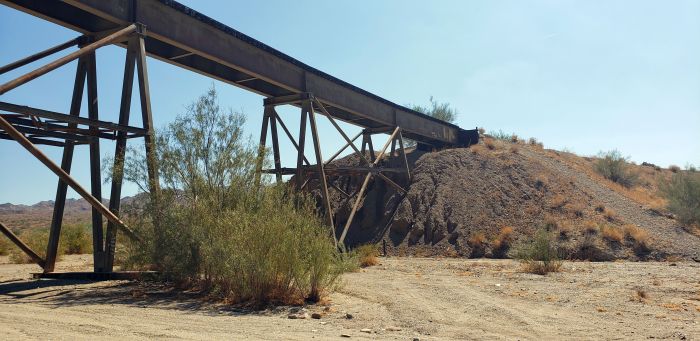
{"x": 19, "y": 217}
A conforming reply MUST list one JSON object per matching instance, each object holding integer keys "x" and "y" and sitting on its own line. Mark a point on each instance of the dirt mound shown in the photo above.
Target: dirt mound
{"x": 465, "y": 202}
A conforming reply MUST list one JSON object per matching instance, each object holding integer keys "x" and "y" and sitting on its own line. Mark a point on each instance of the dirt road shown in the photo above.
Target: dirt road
{"x": 401, "y": 299}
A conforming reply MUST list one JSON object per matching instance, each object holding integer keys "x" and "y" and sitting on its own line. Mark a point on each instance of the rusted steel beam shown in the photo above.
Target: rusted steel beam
{"x": 261, "y": 148}
{"x": 275, "y": 146}
{"x": 347, "y": 144}
{"x": 228, "y": 55}
{"x": 319, "y": 163}
{"x": 37, "y": 140}
{"x": 24, "y": 247}
{"x": 65, "y": 60}
{"x": 66, "y": 164}
{"x": 337, "y": 127}
{"x": 39, "y": 55}
{"x": 95, "y": 167}
{"x": 356, "y": 206}
{"x": 21, "y": 109}
{"x": 119, "y": 154}
{"x": 392, "y": 183}
{"x": 300, "y": 149}
{"x": 17, "y": 136}
{"x": 289, "y": 135}
{"x": 36, "y": 132}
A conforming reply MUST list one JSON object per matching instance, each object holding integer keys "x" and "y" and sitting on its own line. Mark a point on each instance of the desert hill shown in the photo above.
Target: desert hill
{"x": 484, "y": 200}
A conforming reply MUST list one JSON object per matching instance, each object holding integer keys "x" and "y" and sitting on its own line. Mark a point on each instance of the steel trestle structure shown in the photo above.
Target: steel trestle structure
{"x": 176, "y": 34}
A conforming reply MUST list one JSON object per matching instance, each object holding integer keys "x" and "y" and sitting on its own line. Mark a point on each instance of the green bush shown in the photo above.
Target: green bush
{"x": 76, "y": 239}
{"x": 682, "y": 193}
{"x": 5, "y": 246}
{"x": 540, "y": 256}
{"x": 36, "y": 240}
{"x": 215, "y": 229}
{"x": 615, "y": 167}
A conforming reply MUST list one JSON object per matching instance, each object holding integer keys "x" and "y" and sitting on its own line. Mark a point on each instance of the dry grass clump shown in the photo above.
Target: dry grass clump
{"x": 638, "y": 237}
{"x": 502, "y": 243}
{"x": 477, "y": 242}
{"x": 558, "y": 202}
{"x": 514, "y": 148}
{"x": 590, "y": 227}
{"x": 565, "y": 231}
{"x": 540, "y": 256}
{"x": 674, "y": 168}
{"x": 367, "y": 255}
{"x": 610, "y": 215}
{"x": 612, "y": 234}
{"x": 640, "y": 295}
{"x": 575, "y": 209}
{"x": 5, "y": 246}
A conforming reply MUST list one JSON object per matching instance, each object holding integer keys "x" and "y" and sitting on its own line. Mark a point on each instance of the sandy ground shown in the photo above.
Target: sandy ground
{"x": 401, "y": 299}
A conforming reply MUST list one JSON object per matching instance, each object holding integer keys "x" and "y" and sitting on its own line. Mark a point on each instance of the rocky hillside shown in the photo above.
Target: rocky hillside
{"x": 487, "y": 199}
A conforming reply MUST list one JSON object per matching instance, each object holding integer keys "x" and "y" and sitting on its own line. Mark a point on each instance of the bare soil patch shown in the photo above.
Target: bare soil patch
{"x": 400, "y": 299}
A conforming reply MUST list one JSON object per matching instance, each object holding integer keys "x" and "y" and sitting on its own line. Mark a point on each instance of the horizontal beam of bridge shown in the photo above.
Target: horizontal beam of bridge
{"x": 181, "y": 36}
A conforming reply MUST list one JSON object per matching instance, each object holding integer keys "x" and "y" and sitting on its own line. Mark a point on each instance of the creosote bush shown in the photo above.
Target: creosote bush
{"x": 36, "y": 240}
{"x": 367, "y": 255}
{"x": 615, "y": 167}
{"x": 76, "y": 239}
{"x": 211, "y": 227}
{"x": 540, "y": 256}
{"x": 682, "y": 193}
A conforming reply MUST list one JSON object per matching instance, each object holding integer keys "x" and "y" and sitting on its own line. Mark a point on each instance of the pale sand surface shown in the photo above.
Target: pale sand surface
{"x": 428, "y": 299}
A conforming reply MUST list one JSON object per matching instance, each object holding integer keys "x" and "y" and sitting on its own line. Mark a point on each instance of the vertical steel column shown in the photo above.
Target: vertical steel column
{"x": 95, "y": 167}
{"x": 261, "y": 147}
{"x": 119, "y": 153}
{"x": 302, "y": 140}
{"x": 150, "y": 138}
{"x": 275, "y": 144}
{"x": 66, "y": 163}
{"x": 319, "y": 163}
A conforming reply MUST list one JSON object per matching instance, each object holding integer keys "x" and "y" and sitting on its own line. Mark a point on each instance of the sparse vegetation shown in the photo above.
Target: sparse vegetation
{"x": 477, "y": 242}
{"x": 615, "y": 167}
{"x": 75, "y": 239}
{"x": 442, "y": 111}
{"x": 612, "y": 234}
{"x": 502, "y": 136}
{"x": 540, "y": 256}
{"x": 674, "y": 168}
{"x": 212, "y": 228}
{"x": 639, "y": 239}
{"x": 682, "y": 193}
{"x": 5, "y": 246}
{"x": 502, "y": 243}
{"x": 37, "y": 241}
{"x": 367, "y": 255}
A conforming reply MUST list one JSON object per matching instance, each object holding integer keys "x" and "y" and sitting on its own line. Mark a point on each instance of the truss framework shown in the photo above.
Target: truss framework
{"x": 370, "y": 162}
{"x": 30, "y": 126}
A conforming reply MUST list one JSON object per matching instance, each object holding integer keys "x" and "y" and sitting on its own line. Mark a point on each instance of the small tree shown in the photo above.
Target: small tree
{"x": 615, "y": 167}
{"x": 682, "y": 193}
{"x": 441, "y": 111}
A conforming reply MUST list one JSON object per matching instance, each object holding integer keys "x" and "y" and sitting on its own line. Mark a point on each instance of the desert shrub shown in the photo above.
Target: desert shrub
{"x": 502, "y": 243}
{"x": 611, "y": 234}
{"x": 615, "y": 167}
{"x": 590, "y": 227}
{"x": 674, "y": 168}
{"x": 75, "y": 239}
{"x": 37, "y": 241}
{"x": 682, "y": 193}
{"x": 540, "y": 256}
{"x": 211, "y": 227}
{"x": 515, "y": 149}
{"x": 514, "y": 138}
{"x": 501, "y": 135}
{"x": 638, "y": 238}
{"x": 482, "y": 131}
{"x": 610, "y": 215}
{"x": 590, "y": 248}
{"x": 5, "y": 246}
{"x": 477, "y": 242}
{"x": 367, "y": 255}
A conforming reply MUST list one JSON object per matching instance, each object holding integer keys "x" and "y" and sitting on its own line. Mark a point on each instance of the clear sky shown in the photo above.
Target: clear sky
{"x": 583, "y": 75}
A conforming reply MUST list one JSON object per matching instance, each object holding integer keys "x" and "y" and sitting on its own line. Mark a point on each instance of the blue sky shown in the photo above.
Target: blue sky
{"x": 582, "y": 75}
